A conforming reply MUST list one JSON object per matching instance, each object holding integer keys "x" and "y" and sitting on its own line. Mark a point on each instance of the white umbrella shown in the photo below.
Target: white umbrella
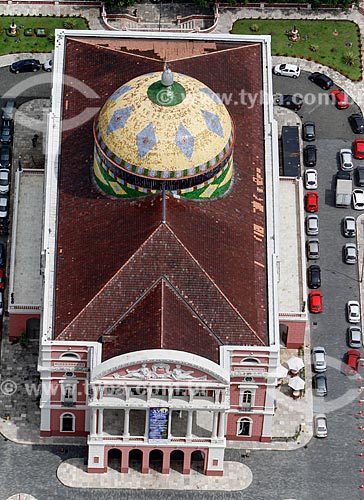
{"x": 295, "y": 364}
{"x": 296, "y": 383}
{"x": 281, "y": 371}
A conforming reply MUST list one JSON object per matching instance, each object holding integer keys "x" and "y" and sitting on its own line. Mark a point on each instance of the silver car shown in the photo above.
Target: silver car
{"x": 313, "y": 249}
{"x": 346, "y": 160}
{"x": 4, "y": 180}
{"x": 349, "y": 227}
{"x": 354, "y": 337}
{"x": 320, "y": 425}
{"x": 353, "y": 311}
{"x": 319, "y": 359}
{"x": 350, "y": 253}
{"x": 312, "y": 225}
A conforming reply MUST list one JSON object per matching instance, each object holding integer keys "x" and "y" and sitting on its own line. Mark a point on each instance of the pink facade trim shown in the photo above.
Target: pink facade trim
{"x": 18, "y": 324}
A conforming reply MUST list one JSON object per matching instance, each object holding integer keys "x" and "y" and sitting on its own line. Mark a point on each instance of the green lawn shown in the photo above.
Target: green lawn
{"x": 330, "y": 41}
{"x": 22, "y": 43}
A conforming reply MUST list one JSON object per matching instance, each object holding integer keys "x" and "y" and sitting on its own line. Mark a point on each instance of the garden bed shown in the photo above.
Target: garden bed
{"x": 332, "y": 43}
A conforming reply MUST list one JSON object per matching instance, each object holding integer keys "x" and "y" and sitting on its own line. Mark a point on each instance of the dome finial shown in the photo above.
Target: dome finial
{"x": 167, "y": 76}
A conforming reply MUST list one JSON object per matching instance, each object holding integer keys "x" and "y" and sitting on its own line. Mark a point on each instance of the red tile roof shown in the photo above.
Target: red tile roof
{"x": 118, "y": 266}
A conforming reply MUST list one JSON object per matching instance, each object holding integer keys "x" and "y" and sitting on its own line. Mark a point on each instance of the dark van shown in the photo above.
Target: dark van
{"x": 360, "y": 175}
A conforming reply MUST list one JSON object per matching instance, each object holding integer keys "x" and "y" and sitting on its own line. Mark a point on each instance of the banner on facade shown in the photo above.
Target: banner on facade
{"x": 158, "y": 423}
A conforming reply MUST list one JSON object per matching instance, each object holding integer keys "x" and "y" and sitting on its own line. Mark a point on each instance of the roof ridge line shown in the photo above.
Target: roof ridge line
{"x": 110, "y": 280}
{"x": 212, "y": 281}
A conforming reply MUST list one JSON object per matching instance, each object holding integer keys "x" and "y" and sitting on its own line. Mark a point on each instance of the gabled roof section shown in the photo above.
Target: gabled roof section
{"x": 162, "y": 255}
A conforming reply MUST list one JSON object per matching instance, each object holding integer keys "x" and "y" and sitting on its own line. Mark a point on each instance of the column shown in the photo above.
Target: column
{"x": 221, "y": 425}
{"x": 214, "y": 425}
{"x": 146, "y": 428}
{"x": 126, "y": 422}
{"x": 217, "y": 396}
{"x": 100, "y": 429}
{"x": 145, "y": 462}
{"x": 166, "y": 461}
{"x": 93, "y": 421}
{"x": 189, "y": 424}
{"x": 186, "y": 461}
{"x": 169, "y": 424}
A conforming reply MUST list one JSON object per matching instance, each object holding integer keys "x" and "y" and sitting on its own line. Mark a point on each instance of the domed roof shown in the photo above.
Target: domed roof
{"x": 170, "y": 128}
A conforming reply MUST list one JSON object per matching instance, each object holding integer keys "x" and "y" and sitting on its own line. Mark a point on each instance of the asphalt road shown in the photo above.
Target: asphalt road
{"x": 325, "y": 469}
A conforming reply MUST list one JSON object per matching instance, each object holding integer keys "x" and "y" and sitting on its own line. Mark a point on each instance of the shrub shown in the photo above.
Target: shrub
{"x": 254, "y": 28}
{"x": 349, "y": 58}
{"x": 51, "y": 38}
{"x": 70, "y": 24}
{"x": 314, "y": 48}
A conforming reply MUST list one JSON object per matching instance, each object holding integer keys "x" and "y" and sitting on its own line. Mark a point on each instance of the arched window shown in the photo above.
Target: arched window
{"x": 69, "y": 355}
{"x": 247, "y": 397}
{"x": 244, "y": 427}
{"x": 67, "y": 422}
{"x": 250, "y": 361}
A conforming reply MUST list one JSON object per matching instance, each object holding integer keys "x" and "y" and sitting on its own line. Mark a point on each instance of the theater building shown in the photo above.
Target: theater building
{"x": 159, "y": 324}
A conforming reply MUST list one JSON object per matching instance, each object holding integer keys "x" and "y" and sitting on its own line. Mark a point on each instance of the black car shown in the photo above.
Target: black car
{"x": 2, "y": 255}
{"x": 310, "y": 155}
{"x": 357, "y": 123}
{"x": 321, "y": 80}
{"x": 309, "y": 131}
{"x": 25, "y": 66}
{"x": 6, "y": 132}
{"x": 5, "y": 157}
{"x": 314, "y": 276}
{"x": 320, "y": 384}
{"x": 293, "y": 102}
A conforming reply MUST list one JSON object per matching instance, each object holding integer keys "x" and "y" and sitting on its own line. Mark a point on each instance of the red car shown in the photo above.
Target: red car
{"x": 2, "y": 279}
{"x": 311, "y": 201}
{"x": 340, "y": 99}
{"x": 359, "y": 148}
{"x": 352, "y": 361}
{"x": 315, "y": 302}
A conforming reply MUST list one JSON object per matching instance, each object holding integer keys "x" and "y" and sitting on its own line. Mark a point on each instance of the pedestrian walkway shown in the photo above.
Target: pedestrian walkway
{"x": 237, "y": 477}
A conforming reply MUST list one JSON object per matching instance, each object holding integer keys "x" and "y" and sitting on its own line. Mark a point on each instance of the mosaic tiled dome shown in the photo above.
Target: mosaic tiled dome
{"x": 158, "y": 132}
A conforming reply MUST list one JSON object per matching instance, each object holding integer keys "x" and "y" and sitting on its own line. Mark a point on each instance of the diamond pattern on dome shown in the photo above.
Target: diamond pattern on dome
{"x": 185, "y": 141}
{"x": 211, "y": 94}
{"x": 121, "y": 91}
{"x": 212, "y": 122}
{"x": 119, "y": 119}
{"x": 146, "y": 140}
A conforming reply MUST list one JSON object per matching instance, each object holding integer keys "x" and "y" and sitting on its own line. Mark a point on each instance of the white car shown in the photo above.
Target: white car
{"x": 353, "y": 310}
{"x": 4, "y": 180}
{"x": 349, "y": 226}
{"x": 47, "y": 66}
{"x": 319, "y": 359}
{"x": 311, "y": 178}
{"x": 312, "y": 225}
{"x": 4, "y": 204}
{"x": 358, "y": 199}
{"x": 320, "y": 424}
{"x": 346, "y": 160}
{"x": 350, "y": 253}
{"x": 287, "y": 70}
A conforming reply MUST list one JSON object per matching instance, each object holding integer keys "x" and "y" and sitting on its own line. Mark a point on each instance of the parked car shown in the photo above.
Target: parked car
{"x": 350, "y": 253}
{"x": 287, "y": 70}
{"x": 310, "y": 155}
{"x": 360, "y": 175}
{"x": 357, "y": 123}
{"x": 320, "y": 384}
{"x": 315, "y": 302}
{"x": 311, "y": 178}
{"x": 340, "y": 99}
{"x": 2, "y": 254}
{"x": 346, "y": 159}
{"x": 9, "y": 110}
{"x": 4, "y": 207}
{"x": 358, "y": 147}
{"x": 349, "y": 226}
{"x": 354, "y": 337}
{"x": 309, "y": 131}
{"x": 319, "y": 359}
{"x": 313, "y": 249}
{"x": 358, "y": 199}
{"x": 5, "y": 157}
{"x": 321, "y": 80}
{"x": 6, "y": 132}
{"x": 48, "y": 65}
{"x": 314, "y": 276}
{"x": 1, "y": 304}
{"x": 293, "y": 102}
{"x": 25, "y": 66}
{"x": 352, "y": 361}
{"x": 2, "y": 279}
{"x": 4, "y": 180}
{"x": 320, "y": 425}
{"x": 311, "y": 201}
{"x": 353, "y": 311}
{"x": 312, "y": 225}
